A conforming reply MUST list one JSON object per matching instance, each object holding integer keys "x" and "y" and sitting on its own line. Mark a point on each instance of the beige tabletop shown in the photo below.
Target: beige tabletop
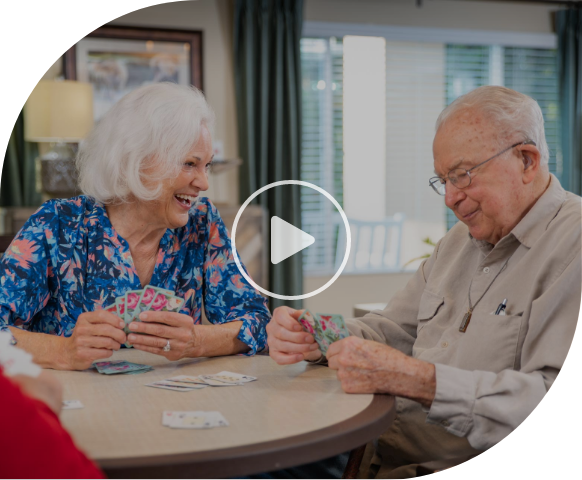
{"x": 298, "y": 408}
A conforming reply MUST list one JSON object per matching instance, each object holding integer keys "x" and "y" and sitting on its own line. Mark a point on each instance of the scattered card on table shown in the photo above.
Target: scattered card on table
{"x": 172, "y": 386}
{"x": 230, "y": 377}
{"x": 72, "y": 404}
{"x": 217, "y": 383}
{"x": 187, "y": 379}
{"x": 121, "y": 366}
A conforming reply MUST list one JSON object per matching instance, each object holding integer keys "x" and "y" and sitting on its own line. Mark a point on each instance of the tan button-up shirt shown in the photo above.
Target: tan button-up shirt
{"x": 490, "y": 377}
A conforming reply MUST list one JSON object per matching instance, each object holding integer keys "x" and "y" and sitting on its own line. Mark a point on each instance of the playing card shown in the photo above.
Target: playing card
{"x": 171, "y": 386}
{"x": 120, "y": 303}
{"x": 187, "y": 379}
{"x": 329, "y": 328}
{"x": 178, "y": 383}
{"x": 164, "y": 302}
{"x": 307, "y": 321}
{"x": 72, "y": 404}
{"x": 192, "y": 420}
{"x": 230, "y": 377}
{"x": 145, "y": 300}
{"x": 131, "y": 303}
{"x": 120, "y": 366}
{"x": 217, "y": 383}
{"x": 111, "y": 308}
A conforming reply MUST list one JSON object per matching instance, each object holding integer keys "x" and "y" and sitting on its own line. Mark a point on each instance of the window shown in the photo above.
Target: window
{"x": 421, "y": 78}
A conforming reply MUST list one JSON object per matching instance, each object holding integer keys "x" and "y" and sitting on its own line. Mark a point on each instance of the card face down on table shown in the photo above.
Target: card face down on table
{"x": 325, "y": 328}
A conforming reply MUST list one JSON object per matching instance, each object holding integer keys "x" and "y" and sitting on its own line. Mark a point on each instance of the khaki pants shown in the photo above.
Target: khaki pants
{"x": 411, "y": 446}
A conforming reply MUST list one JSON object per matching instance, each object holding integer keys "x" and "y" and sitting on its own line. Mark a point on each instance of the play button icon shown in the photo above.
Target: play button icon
{"x": 287, "y": 240}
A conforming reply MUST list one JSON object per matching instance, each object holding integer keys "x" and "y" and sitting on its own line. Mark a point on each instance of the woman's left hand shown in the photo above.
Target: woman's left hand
{"x": 157, "y": 328}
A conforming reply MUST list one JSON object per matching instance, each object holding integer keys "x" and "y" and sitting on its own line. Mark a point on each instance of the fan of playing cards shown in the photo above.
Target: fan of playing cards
{"x": 325, "y": 328}
{"x": 129, "y": 306}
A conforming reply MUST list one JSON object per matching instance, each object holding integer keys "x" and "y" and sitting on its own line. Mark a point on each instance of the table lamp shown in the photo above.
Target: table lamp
{"x": 59, "y": 113}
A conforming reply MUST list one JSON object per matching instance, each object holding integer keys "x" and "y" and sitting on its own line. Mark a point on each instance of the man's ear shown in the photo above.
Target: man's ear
{"x": 531, "y": 158}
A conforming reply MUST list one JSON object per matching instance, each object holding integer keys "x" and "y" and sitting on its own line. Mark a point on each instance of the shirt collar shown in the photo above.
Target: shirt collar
{"x": 536, "y": 221}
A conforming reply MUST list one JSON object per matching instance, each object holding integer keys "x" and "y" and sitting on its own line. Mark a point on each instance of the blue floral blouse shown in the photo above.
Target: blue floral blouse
{"x": 68, "y": 259}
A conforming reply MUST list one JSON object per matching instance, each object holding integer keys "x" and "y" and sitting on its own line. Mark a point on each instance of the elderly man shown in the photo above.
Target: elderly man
{"x": 466, "y": 370}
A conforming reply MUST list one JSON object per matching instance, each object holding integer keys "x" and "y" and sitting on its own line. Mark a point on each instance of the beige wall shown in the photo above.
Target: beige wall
{"x": 493, "y": 15}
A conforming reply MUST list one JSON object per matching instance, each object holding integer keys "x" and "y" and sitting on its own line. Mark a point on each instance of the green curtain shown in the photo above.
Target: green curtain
{"x": 569, "y": 29}
{"x": 267, "y": 36}
{"x": 18, "y": 187}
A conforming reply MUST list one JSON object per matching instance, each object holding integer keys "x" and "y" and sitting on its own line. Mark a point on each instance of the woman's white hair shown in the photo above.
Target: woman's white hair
{"x": 143, "y": 139}
{"x": 509, "y": 110}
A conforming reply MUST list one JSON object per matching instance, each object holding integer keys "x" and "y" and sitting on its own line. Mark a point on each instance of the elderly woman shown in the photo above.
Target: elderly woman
{"x": 140, "y": 222}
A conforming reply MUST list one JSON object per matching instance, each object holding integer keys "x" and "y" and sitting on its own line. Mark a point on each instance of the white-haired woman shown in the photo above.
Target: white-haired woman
{"x": 140, "y": 222}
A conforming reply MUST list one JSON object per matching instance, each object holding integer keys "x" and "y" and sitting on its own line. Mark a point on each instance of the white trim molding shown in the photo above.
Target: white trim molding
{"x": 432, "y": 35}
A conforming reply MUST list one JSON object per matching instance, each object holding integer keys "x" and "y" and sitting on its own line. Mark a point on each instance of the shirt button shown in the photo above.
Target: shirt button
{"x": 445, "y": 423}
{"x": 486, "y": 270}
{"x": 445, "y": 344}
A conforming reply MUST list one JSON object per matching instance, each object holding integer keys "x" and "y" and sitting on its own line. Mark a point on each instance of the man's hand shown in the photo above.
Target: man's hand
{"x": 364, "y": 366}
{"x": 288, "y": 342}
{"x": 160, "y": 327}
{"x": 95, "y": 336}
{"x": 45, "y": 388}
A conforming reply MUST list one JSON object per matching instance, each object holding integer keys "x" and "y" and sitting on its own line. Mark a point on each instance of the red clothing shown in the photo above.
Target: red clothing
{"x": 33, "y": 443}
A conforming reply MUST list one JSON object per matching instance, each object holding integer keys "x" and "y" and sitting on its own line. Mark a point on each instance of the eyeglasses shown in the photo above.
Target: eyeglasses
{"x": 461, "y": 178}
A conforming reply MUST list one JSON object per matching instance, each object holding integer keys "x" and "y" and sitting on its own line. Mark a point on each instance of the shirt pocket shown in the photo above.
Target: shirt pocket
{"x": 490, "y": 342}
{"x": 430, "y": 303}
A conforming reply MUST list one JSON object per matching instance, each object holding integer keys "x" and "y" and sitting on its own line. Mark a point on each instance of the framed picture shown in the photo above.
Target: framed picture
{"x": 117, "y": 60}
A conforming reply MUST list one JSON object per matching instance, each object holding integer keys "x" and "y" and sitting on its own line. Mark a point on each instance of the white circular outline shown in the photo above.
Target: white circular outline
{"x": 348, "y": 240}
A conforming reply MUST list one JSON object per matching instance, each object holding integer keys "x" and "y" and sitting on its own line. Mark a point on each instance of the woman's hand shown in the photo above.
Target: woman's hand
{"x": 45, "y": 388}
{"x": 95, "y": 336}
{"x": 157, "y": 328}
{"x": 288, "y": 342}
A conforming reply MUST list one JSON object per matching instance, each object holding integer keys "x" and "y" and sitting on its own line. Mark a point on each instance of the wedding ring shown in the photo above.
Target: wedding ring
{"x": 167, "y": 347}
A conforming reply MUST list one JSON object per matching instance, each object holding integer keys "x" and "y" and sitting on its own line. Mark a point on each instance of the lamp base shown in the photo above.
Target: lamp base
{"x": 58, "y": 172}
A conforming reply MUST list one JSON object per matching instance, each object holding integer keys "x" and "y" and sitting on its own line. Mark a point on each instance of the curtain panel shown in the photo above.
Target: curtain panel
{"x": 267, "y": 36}
{"x": 18, "y": 187}
{"x": 569, "y": 29}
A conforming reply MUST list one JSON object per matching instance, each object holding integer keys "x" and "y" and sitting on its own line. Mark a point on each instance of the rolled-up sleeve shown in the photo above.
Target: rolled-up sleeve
{"x": 485, "y": 406}
{"x": 228, "y": 296}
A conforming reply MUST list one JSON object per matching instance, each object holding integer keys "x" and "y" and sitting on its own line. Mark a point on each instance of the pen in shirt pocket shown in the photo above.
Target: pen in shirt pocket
{"x": 501, "y": 308}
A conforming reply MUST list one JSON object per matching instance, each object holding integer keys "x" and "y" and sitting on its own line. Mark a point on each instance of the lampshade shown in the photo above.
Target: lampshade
{"x": 59, "y": 111}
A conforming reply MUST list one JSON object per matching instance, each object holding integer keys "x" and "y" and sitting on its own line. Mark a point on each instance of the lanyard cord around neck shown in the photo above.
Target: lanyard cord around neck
{"x": 467, "y": 317}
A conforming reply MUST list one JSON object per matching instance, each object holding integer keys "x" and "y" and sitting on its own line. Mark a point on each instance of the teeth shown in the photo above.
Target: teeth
{"x": 186, "y": 197}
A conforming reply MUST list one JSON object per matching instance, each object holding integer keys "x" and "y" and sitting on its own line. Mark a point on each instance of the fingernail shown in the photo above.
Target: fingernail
{"x": 143, "y": 316}
{"x": 121, "y": 324}
{"x": 131, "y": 338}
{"x": 315, "y": 346}
{"x": 309, "y": 339}
{"x": 133, "y": 326}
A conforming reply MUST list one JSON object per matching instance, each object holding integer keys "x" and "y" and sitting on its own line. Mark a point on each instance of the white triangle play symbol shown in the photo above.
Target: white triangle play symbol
{"x": 287, "y": 240}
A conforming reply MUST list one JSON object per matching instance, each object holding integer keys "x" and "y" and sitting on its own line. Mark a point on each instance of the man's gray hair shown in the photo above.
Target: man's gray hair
{"x": 511, "y": 111}
{"x": 143, "y": 139}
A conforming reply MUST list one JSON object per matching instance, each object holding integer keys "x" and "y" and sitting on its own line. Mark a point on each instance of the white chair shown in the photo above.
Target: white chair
{"x": 375, "y": 245}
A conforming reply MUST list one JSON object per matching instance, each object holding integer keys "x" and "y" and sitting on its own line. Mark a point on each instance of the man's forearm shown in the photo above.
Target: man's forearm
{"x": 46, "y": 350}
{"x": 218, "y": 340}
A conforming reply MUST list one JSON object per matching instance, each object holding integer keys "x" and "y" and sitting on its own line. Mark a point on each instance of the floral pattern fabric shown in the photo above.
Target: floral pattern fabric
{"x": 68, "y": 259}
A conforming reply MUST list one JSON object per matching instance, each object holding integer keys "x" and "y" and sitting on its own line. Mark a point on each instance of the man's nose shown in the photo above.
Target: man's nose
{"x": 452, "y": 195}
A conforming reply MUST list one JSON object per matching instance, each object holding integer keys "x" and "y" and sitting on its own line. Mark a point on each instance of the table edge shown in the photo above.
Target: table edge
{"x": 265, "y": 456}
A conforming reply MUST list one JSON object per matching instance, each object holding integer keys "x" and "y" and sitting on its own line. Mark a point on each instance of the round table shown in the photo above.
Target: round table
{"x": 290, "y": 416}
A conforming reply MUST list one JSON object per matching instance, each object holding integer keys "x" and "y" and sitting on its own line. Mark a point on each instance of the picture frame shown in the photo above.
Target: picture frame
{"x": 119, "y": 59}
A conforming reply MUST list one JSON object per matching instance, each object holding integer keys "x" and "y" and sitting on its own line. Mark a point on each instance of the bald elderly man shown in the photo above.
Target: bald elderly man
{"x": 464, "y": 375}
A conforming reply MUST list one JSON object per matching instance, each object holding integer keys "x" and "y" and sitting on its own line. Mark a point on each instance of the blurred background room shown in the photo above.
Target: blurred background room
{"x": 343, "y": 94}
